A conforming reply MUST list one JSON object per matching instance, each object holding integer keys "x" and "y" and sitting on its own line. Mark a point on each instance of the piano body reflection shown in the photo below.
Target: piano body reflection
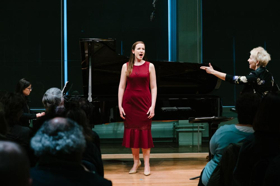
{"x": 183, "y": 89}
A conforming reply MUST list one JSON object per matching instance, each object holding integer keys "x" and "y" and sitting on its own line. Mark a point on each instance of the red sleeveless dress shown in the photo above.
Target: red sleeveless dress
{"x": 136, "y": 103}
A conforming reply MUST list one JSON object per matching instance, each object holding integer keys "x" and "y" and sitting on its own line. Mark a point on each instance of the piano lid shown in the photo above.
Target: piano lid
{"x": 173, "y": 78}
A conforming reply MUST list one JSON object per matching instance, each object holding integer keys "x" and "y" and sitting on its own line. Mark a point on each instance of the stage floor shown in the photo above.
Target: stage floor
{"x": 172, "y": 169}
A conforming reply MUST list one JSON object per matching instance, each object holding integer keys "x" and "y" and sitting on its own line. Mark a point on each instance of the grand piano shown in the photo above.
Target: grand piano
{"x": 183, "y": 89}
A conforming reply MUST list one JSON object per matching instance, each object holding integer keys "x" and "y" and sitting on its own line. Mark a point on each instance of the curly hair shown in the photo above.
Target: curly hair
{"x": 261, "y": 55}
{"x": 52, "y": 99}
{"x": 59, "y": 136}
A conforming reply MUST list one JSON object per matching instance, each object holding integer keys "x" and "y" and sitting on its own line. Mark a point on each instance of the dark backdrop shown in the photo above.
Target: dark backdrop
{"x": 30, "y": 45}
{"x": 30, "y": 37}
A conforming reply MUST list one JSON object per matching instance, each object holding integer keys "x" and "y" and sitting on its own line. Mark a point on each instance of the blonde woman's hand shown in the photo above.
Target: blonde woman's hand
{"x": 209, "y": 69}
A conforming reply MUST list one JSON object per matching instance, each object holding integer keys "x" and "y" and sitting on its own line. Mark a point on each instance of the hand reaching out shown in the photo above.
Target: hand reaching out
{"x": 40, "y": 114}
{"x": 209, "y": 69}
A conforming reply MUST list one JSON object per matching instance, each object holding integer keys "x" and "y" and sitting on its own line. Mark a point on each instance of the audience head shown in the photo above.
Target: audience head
{"x": 267, "y": 115}
{"x": 77, "y": 114}
{"x": 14, "y": 166}
{"x": 13, "y": 104}
{"x": 24, "y": 87}
{"x": 246, "y": 107}
{"x": 52, "y": 99}
{"x": 260, "y": 55}
{"x": 87, "y": 107}
{"x": 59, "y": 137}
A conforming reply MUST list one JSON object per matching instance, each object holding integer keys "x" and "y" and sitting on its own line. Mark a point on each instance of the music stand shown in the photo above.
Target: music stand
{"x": 66, "y": 88}
{"x": 213, "y": 123}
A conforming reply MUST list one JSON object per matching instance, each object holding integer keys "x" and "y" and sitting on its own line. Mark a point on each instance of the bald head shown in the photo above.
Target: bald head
{"x": 14, "y": 166}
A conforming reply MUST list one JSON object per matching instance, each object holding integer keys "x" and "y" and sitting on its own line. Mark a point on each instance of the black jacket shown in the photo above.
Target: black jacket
{"x": 222, "y": 175}
{"x": 259, "y": 81}
{"x": 51, "y": 171}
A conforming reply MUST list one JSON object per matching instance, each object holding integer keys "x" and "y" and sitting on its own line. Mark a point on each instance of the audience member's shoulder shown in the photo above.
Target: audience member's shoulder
{"x": 21, "y": 129}
{"x": 248, "y": 143}
{"x": 226, "y": 128}
{"x": 98, "y": 180}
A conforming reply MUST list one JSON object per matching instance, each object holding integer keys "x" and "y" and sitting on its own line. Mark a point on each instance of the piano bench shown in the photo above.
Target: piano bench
{"x": 188, "y": 134}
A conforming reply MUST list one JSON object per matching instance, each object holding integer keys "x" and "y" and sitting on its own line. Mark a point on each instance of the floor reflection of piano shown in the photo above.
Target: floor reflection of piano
{"x": 183, "y": 89}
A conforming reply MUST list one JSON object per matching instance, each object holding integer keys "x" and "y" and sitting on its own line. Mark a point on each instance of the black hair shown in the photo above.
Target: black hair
{"x": 77, "y": 111}
{"x": 21, "y": 85}
{"x": 246, "y": 107}
{"x": 267, "y": 119}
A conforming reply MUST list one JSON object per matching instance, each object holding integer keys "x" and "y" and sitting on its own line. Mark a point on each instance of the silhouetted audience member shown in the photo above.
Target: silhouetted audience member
{"x": 92, "y": 155}
{"x": 13, "y": 104}
{"x": 258, "y": 151}
{"x": 246, "y": 107}
{"x": 88, "y": 108}
{"x": 14, "y": 166}
{"x": 272, "y": 174}
{"x": 60, "y": 144}
{"x": 3, "y": 123}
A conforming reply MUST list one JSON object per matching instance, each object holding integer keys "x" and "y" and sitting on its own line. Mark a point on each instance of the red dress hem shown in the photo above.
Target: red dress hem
{"x": 136, "y": 138}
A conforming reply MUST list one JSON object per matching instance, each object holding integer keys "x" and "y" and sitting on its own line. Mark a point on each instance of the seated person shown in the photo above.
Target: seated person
{"x": 14, "y": 166}
{"x": 24, "y": 88}
{"x": 13, "y": 104}
{"x": 260, "y": 149}
{"x": 92, "y": 155}
{"x": 53, "y": 102}
{"x": 222, "y": 175}
{"x": 246, "y": 106}
{"x": 272, "y": 173}
{"x": 259, "y": 81}
{"x": 60, "y": 144}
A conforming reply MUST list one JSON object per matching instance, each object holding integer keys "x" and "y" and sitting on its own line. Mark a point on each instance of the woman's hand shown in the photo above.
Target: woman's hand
{"x": 122, "y": 113}
{"x": 40, "y": 114}
{"x": 151, "y": 112}
{"x": 209, "y": 69}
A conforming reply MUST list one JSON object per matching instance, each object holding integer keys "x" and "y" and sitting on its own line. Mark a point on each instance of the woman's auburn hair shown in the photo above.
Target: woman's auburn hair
{"x": 131, "y": 58}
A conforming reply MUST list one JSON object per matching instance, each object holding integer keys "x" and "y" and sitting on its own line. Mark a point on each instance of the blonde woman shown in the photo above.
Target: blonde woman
{"x": 259, "y": 81}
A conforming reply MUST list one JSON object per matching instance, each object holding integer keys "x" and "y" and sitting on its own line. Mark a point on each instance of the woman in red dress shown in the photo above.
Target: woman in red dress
{"x": 137, "y": 100}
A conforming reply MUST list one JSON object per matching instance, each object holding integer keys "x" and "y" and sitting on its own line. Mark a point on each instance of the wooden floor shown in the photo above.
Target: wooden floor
{"x": 166, "y": 169}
